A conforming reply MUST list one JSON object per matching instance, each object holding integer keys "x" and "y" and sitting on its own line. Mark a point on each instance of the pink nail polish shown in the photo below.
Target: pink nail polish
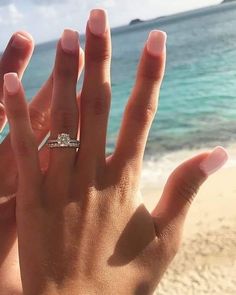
{"x": 12, "y": 83}
{"x": 70, "y": 41}
{"x": 156, "y": 42}
{"x": 214, "y": 161}
{"x": 98, "y": 21}
{"x": 20, "y": 41}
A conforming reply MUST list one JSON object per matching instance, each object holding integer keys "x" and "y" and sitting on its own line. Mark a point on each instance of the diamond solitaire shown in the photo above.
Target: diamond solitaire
{"x": 63, "y": 140}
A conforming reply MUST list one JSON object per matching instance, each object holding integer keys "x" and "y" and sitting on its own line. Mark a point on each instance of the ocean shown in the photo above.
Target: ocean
{"x": 197, "y": 105}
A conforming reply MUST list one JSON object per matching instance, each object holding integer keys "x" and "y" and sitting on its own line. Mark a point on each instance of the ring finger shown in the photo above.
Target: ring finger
{"x": 64, "y": 110}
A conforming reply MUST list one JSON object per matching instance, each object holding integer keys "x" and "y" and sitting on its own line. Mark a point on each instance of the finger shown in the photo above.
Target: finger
{"x": 16, "y": 56}
{"x": 39, "y": 109}
{"x": 22, "y": 139}
{"x": 2, "y": 117}
{"x": 64, "y": 111}
{"x": 182, "y": 187}
{"x": 44, "y": 151}
{"x": 15, "y": 59}
{"x": 96, "y": 92}
{"x": 142, "y": 105}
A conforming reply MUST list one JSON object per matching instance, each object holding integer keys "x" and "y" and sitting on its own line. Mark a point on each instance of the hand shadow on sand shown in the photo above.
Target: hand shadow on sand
{"x": 136, "y": 236}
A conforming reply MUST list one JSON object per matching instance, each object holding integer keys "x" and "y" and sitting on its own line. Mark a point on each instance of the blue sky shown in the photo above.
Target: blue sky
{"x": 46, "y": 19}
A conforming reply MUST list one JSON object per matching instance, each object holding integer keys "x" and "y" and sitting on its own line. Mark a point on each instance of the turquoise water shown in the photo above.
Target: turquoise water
{"x": 198, "y": 97}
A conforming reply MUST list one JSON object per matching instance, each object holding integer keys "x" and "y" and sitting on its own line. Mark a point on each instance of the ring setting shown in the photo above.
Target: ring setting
{"x": 63, "y": 141}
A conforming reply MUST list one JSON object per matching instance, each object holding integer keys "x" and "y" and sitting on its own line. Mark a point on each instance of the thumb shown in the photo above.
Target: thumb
{"x": 182, "y": 187}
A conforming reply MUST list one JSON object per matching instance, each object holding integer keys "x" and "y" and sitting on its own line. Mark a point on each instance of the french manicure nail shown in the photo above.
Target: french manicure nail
{"x": 12, "y": 83}
{"x": 214, "y": 161}
{"x": 70, "y": 41}
{"x": 98, "y": 21}
{"x": 156, "y": 43}
{"x": 20, "y": 41}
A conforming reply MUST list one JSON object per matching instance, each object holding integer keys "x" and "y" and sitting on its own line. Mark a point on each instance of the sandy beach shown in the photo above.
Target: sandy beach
{"x": 206, "y": 263}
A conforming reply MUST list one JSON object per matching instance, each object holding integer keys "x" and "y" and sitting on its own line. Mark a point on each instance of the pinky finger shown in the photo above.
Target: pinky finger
{"x": 2, "y": 117}
{"x": 22, "y": 139}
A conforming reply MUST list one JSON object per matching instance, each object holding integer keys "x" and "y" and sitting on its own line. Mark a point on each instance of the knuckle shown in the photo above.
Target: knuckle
{"x": 125, "y": 184}
{"x": 16, "y": 113}
{"x": 152, "y": 69}
{"x": 142, "y": 113}
{"x": 64, "y": 118}
{"x": 24, "y": 146}
{"x": 188, "y": 189}
{"x": 98, "y": 56}
{"x": 65, "y": 71}
{"x": 151, "y": 74}
{"x": 39, "y": 120}
{"x": 99, "y": 105}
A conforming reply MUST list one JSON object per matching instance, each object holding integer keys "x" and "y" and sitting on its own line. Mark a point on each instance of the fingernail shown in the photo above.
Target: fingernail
{"x": 214, "y": 161}
{"x": 70, "y": 41}
{"x": 98, "y": 21}
{"x": 156, "y": 42}
{"x": 12, "y": 83}
{"x": 20, "y": 41}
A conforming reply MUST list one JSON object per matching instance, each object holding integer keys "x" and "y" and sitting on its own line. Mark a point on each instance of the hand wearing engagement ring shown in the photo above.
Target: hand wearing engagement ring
{"x": 82, "y": 227}
{"x": 15, "y": 59}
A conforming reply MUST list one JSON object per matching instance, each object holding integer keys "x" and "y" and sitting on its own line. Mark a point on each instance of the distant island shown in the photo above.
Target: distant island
{"x": 135, "y": 21}
{"x": 138, "y": 20}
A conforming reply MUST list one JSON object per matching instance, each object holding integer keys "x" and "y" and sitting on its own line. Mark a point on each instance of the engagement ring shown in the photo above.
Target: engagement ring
{"x": 63, "y": 140}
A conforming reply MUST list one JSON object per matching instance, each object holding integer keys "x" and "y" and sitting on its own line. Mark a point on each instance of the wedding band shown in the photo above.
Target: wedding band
{"x": 63, "y": 141}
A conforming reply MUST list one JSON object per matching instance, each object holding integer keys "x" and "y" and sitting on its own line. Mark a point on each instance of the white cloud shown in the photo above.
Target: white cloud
{"x": 10, "y": 15}
{"x": 108, "y": 3}
{"x": 47, "y": 12}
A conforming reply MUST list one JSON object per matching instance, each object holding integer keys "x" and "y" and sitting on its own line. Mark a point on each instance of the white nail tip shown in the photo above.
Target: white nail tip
{"x": 216, "y": 160}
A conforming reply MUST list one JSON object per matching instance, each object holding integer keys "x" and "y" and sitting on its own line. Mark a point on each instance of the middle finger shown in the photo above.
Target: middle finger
{"x": 96, "y": 92}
